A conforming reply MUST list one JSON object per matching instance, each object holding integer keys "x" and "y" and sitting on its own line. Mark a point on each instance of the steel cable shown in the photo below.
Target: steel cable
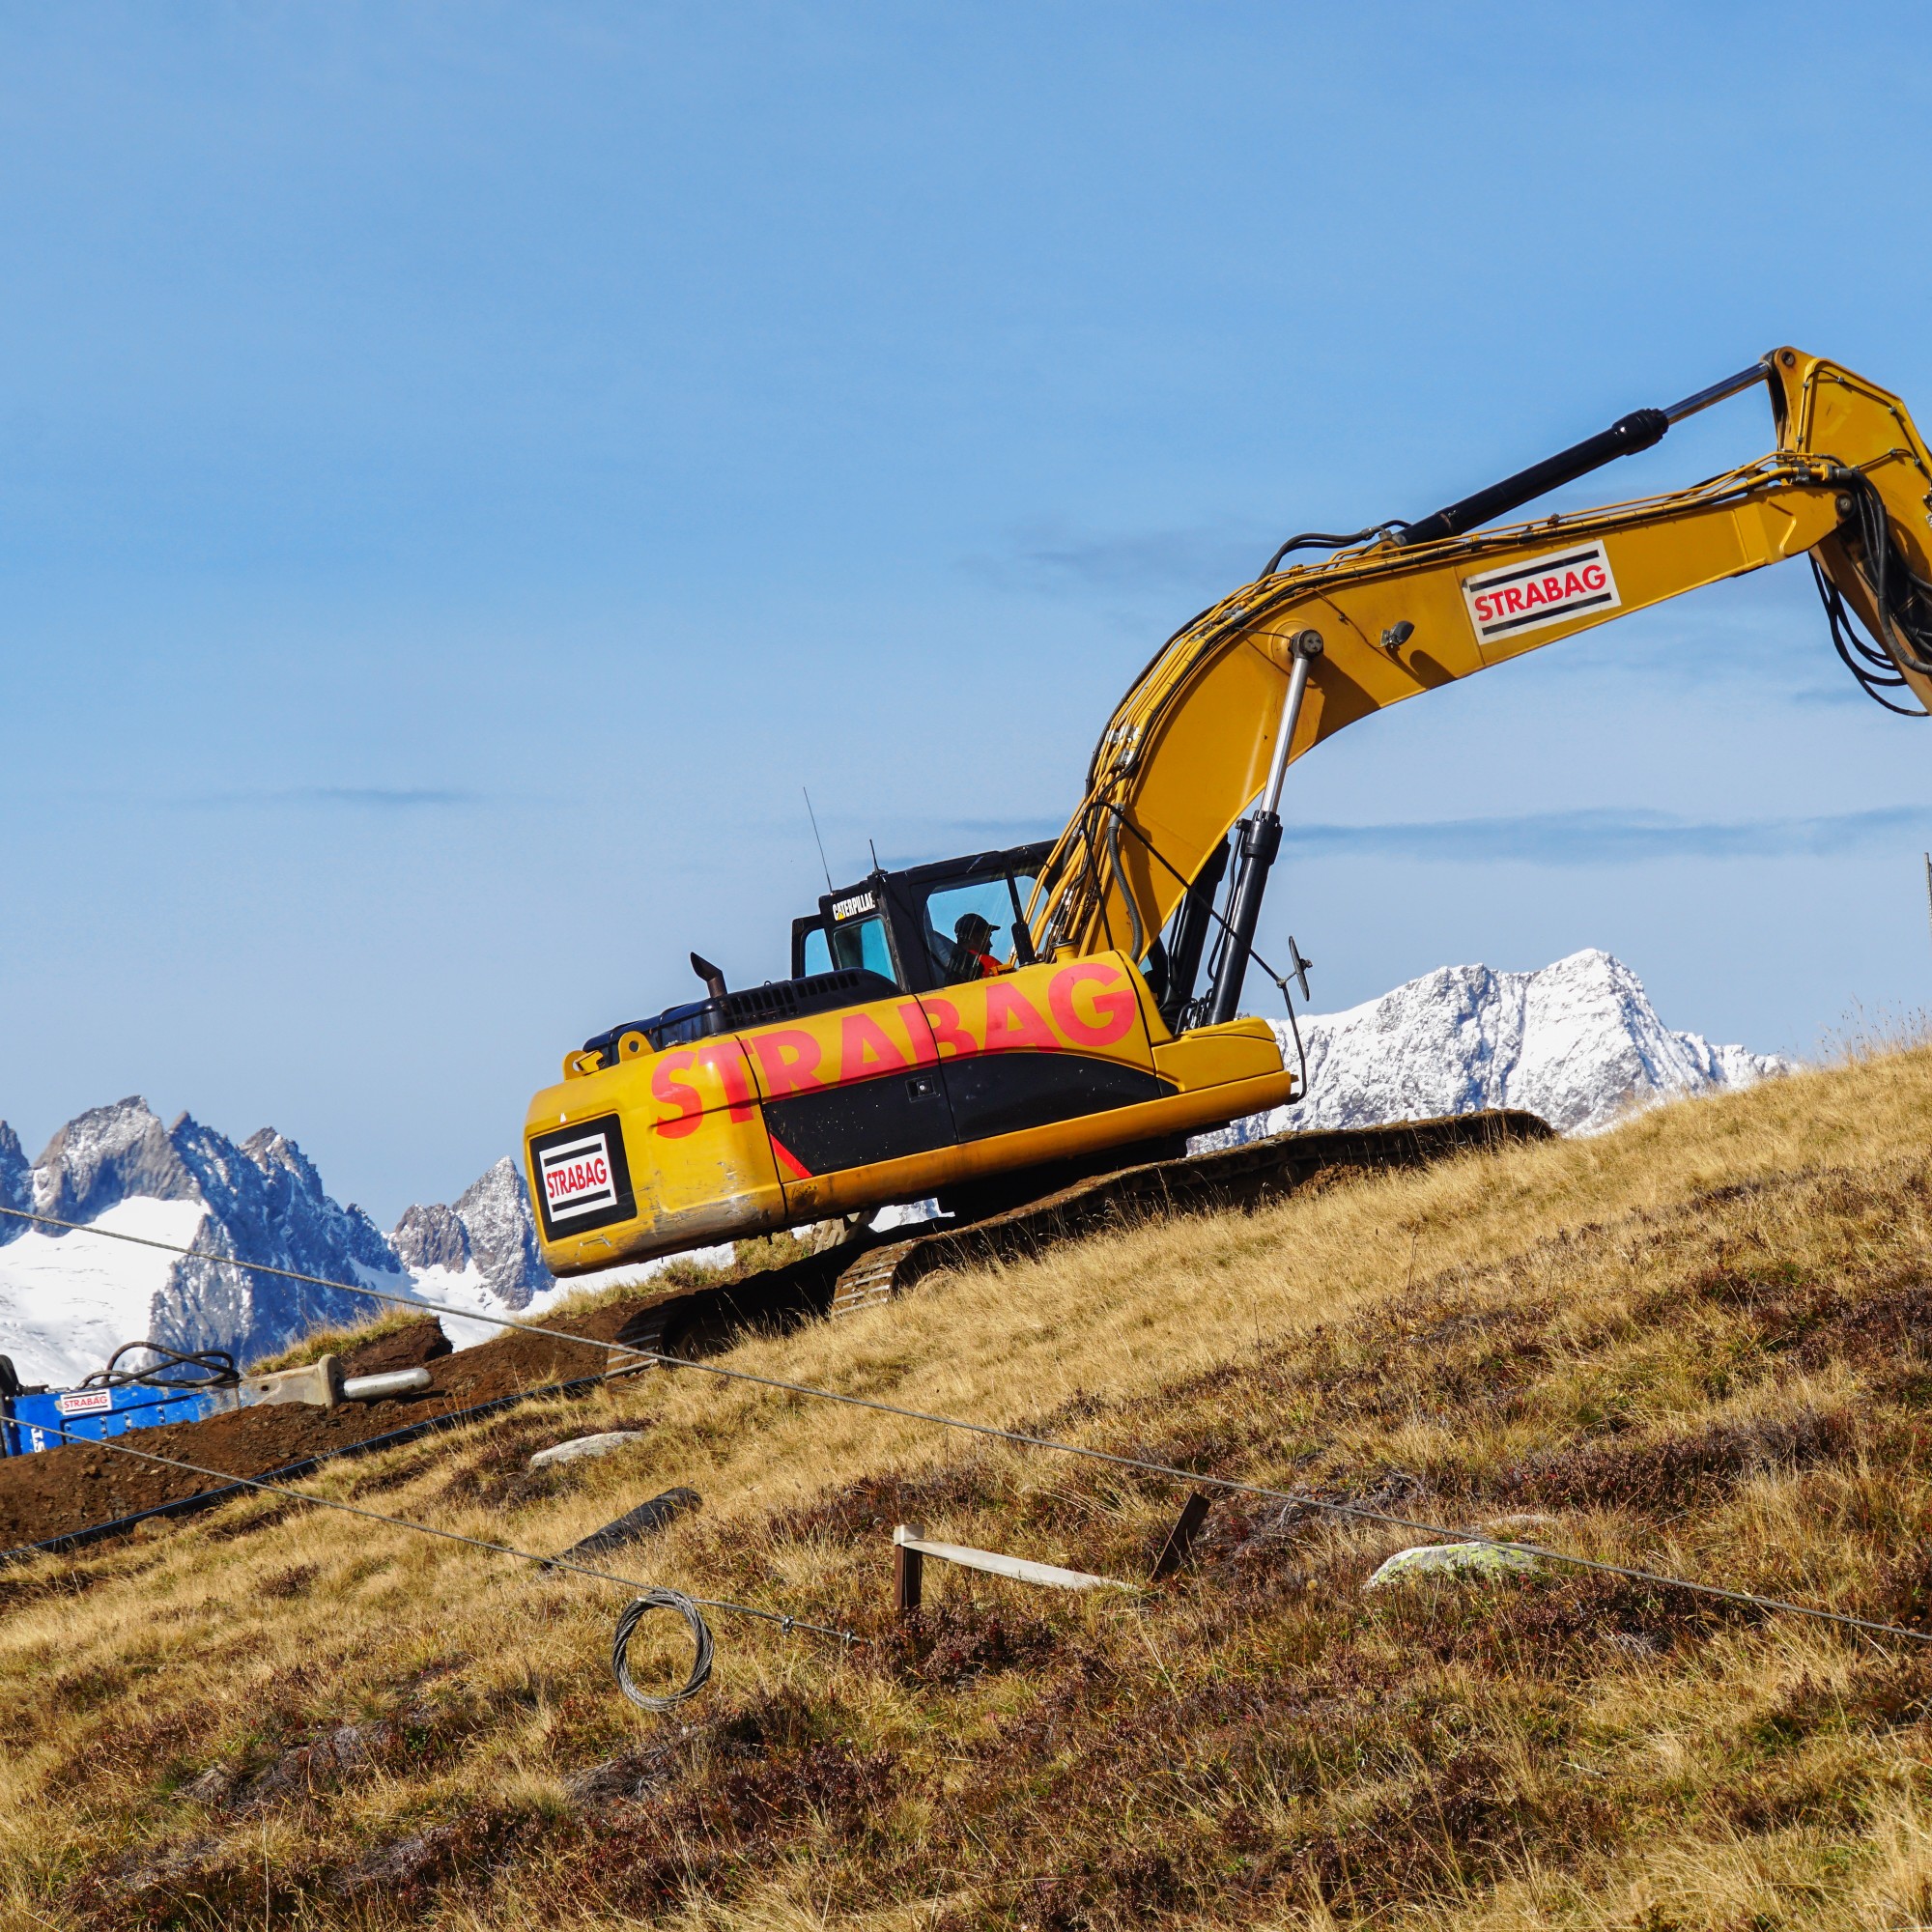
{"x": 620, "y": 1648}
{"x": 1355, "y": 1511}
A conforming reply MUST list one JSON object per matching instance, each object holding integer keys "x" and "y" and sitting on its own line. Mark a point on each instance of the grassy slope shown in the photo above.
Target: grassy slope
{"x": 1703, "y": 1344}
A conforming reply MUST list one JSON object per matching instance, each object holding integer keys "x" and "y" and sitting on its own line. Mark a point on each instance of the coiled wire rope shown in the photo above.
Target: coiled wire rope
{"x": 620, "y": 1648}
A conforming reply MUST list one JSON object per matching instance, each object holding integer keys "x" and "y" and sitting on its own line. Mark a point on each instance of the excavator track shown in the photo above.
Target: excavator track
{"x": 858, "y": 1276}
{"x": 873, "y": 1280}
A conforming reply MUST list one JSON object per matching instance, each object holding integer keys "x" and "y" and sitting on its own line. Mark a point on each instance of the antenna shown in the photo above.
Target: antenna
{"x": 813, "y": 816}
{"x": 876, "y": 867}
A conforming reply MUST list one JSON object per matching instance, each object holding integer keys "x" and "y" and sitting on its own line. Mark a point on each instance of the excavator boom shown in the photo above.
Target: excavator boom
{"x": 1408, "y": 608}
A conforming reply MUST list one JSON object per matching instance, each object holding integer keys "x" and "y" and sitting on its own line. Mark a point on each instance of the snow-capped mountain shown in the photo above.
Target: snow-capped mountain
{"x": 485, "y": 1237}
{"x": 1577, "y": 1042}
{"x": 481, "y": 1253}
{"x": 68, "y": 1298}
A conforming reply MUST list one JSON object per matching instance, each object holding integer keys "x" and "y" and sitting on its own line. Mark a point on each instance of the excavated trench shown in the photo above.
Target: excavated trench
{"x": 77, "y": 1485}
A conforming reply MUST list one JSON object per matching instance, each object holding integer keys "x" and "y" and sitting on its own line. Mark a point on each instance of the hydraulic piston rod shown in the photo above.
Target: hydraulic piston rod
{"x": 1625, "y": 437}
{"x": 1259, "y": 842}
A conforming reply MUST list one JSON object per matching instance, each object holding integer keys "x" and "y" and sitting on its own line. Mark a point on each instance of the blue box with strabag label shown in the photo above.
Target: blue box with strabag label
{"x": 36, "y": 1420}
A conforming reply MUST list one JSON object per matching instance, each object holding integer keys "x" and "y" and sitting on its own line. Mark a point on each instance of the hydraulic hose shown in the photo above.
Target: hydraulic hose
{"x": 199, "y": 1369}
{"x": 1902, "y": 600}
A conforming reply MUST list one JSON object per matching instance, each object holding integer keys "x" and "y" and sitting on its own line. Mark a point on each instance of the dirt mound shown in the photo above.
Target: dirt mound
{"x": 414, "y": 1345}
{"x": 78, "y": 1485}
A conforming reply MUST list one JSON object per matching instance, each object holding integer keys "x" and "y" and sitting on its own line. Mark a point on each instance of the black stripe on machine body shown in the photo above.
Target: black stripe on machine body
{"x": 970, "y": 1099}
{"x": 1004, "y": 1092}
{"x": 863, "y": 1122}
{"x": 1540, "y": 568}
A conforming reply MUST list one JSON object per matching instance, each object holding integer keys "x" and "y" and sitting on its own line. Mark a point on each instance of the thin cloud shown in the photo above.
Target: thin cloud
{"x": 1047, "y": 559}
{"x": 1617, "y": 837}
{"x": 368, "y": 798}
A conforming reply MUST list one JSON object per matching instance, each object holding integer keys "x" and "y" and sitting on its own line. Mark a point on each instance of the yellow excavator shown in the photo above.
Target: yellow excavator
{"x": 988, "y": 1029}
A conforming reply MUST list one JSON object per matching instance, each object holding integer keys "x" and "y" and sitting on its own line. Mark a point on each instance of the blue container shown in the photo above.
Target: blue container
{"x": 30, "y": 1422}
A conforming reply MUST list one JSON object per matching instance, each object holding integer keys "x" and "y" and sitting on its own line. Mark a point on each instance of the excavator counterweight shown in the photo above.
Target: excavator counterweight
{"x": 915, "y": 1052}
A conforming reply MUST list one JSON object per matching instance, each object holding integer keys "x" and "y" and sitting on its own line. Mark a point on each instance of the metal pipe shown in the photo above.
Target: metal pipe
{"x": 1307, "y": 647}
{"x": 1731, "y": 386}
{"x": 394, "y": 1382}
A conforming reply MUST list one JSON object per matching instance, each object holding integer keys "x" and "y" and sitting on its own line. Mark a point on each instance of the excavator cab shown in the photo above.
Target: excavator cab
{"x": 914, "y": 927}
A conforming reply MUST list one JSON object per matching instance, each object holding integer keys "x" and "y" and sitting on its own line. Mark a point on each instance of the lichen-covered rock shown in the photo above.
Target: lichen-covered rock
{"x": 1479, "y": 1562}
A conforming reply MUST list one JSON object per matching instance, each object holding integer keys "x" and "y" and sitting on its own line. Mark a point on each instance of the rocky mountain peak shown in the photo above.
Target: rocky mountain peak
{"x": 105, "y": 1154}
{"x": 495, "y": 1208}
{"x": 17, "y": 1189}
{"x": 489, "y": 1229}
{"x": 430, "y": 1237}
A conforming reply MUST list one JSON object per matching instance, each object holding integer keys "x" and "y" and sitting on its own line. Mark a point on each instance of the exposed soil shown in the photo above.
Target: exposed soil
{"x": 70, "y": 1488}
{"x": 414, "y": 1345}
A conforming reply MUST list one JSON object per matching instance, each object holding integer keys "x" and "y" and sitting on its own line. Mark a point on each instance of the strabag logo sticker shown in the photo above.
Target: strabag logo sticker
{"x": 582, "y": 1180}
{"x": 1528, "y": 595}
{"x": 85, "y": 1402}
{"x": 577, "y": 1178}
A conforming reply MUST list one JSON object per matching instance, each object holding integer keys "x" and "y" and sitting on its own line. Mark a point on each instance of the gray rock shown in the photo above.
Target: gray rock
{"x": 582, "y": 1446}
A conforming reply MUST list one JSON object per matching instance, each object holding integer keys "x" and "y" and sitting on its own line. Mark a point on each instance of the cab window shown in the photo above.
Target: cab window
{"x": 853, "y": 943}
{"x": 969, "y": 929}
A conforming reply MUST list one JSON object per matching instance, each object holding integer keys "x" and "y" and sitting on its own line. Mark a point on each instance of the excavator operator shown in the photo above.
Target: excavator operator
{"x": 973, "y": 949}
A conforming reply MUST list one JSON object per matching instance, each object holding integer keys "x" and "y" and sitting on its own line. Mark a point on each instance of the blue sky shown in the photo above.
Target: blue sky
{"x": 464, "y": 469}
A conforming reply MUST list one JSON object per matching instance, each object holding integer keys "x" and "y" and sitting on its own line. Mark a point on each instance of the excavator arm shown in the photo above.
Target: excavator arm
{"x": 1259, "y": 680}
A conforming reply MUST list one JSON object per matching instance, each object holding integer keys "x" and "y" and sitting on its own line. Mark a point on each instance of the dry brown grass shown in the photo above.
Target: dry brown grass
{"x": 1702, "y": 1344}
